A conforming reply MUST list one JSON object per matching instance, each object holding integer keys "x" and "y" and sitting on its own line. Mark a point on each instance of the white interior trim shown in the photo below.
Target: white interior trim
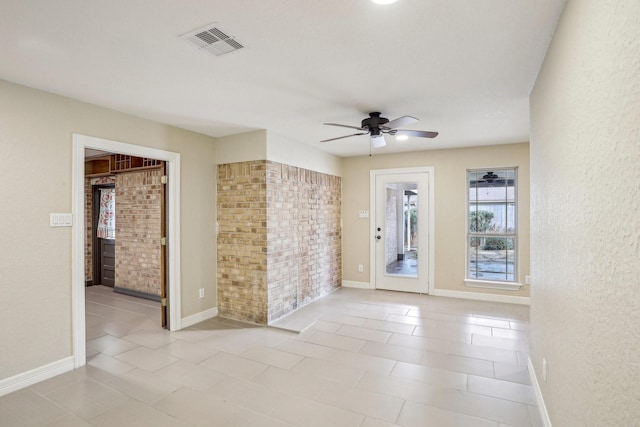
{"x": 478, "y": 296}
{"x": 80, "y": 142}
{"x": 357, "y": 285}
{"x": 25, "y": 379}
{"x": 542, "y": 408}
{"x": 199, "y": 317}
{"x": 492, "y": 284}
{"x": 430, "y": 170}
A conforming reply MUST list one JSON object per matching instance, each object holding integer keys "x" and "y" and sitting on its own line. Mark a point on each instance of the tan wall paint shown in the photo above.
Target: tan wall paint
{"x": 450, "y": 188}
{"x": 244, "y": 147}
{"x": 585, "y": 216}
{"x": 35, "y": 153}
{"x": 265, "y": 145}
{"x": 294, "y": 153}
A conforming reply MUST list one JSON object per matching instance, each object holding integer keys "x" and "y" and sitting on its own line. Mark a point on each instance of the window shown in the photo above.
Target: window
{"x": 492, "y": 229}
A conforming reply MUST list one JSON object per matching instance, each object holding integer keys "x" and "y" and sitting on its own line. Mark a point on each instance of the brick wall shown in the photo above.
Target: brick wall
{"x": 88, "y": 237}
{"x": 391, "y": 249}
{"x": 279, "y": 240}
{"x": 304, "y": 239}
{"x": 138, "y": 230}
{"x": 242, "y": 239}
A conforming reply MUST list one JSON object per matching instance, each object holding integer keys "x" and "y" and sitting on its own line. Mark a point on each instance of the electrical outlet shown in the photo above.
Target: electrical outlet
{"x": 544, "y": 369}
{"x": 363, "y": 214}
{"x": 201, "y": 292}
{"x": 360, "y": 268}
{"x": 527, "y": 280}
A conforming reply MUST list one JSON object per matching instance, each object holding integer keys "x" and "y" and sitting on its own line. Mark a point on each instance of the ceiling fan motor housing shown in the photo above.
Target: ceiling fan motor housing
{"x": 373, "y": 123}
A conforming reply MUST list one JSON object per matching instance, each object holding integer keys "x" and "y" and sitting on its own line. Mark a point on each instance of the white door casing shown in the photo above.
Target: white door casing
{"x": 80, "y": 143}
{"x": 386, "y": 188}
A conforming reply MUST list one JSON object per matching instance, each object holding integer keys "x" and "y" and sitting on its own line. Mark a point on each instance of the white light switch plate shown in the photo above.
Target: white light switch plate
{"x": 363, "y": 214}
{"x": 60, "y": 220}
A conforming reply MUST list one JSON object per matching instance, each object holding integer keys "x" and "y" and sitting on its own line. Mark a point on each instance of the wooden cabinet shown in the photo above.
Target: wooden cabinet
{"x": 108, "y": 165}
{"x": 97, "y": 166}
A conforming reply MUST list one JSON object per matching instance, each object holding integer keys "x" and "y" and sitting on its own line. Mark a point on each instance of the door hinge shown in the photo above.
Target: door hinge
{"x": 163, "y": 179}
{"x": 163, "y": 302}
{"x": 163, "y": 241}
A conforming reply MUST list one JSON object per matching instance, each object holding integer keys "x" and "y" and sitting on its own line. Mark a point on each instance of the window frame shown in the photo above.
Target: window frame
{"x": 492, "y": 283}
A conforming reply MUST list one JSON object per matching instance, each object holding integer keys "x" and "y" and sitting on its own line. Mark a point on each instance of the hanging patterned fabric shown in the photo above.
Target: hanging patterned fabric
{"x": 107, "y": 218}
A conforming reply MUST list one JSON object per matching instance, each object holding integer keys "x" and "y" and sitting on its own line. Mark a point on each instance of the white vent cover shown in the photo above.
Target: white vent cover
{"x": 213, "y": 39}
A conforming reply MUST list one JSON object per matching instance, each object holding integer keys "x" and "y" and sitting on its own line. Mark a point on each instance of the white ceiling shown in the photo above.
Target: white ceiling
{"x": 464, "y": 68}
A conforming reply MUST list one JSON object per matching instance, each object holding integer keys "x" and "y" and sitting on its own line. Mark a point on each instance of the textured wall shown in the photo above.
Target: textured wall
{"x": 585, "y": 216}
{"x": 279, "y": 240}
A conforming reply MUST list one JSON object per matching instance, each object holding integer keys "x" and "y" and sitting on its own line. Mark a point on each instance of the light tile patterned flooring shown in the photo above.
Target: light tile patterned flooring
{"x": 364, "y": 358}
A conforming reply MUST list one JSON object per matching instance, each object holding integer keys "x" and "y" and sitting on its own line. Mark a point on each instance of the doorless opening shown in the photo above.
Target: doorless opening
{"x": 125, "y": 226}
{"x": 80, "y": 143}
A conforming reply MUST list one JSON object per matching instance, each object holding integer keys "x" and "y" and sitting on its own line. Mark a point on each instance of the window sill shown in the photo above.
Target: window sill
{"x": 488, "y": 284}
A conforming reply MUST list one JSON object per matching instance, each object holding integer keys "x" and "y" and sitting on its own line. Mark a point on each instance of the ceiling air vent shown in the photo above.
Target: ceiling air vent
{"x": 213, "y": 39}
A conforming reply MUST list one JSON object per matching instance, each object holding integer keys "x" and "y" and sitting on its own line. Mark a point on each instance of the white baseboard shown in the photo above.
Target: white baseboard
{"x": 542, "y": 408}
{"x": 25, "y": 379}
{"x": 198, "y": 317}
{"x": 357, "y": 285}
{"x": 480, "y": 296}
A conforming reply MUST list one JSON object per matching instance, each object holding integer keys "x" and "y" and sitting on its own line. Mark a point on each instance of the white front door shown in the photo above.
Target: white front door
{"x": 401, "y": 231}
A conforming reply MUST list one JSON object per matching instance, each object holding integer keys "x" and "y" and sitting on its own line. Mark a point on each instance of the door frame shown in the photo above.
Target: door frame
{"x": 430, "y": 170}
{"x": 80, "y": 143}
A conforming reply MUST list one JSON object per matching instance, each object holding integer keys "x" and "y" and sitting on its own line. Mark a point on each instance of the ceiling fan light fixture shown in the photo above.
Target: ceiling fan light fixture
{"x": 375, "y": 125}
{"x": 378, "y": 141}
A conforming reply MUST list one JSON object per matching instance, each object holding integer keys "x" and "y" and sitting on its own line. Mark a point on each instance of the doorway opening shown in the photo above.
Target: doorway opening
{"x": 125, "y": 222}
{"x": 172, "y": 248}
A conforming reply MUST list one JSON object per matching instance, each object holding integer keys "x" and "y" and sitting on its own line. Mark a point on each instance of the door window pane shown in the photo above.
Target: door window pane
{"x": 401, "y": 229}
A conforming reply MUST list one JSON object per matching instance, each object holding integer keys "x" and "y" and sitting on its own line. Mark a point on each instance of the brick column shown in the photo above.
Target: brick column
{"x": 279, "y": 241}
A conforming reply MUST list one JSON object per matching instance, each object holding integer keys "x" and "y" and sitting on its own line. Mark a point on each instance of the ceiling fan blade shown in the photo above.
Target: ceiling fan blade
{"x": 341, "y": 137}
{"x": 401, "y": 121}
{"x": 344, "y": 126}
{"x": 418, "y": 133}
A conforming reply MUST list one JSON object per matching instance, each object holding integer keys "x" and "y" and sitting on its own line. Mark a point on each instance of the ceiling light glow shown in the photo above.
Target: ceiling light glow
{"x": 384, "y": 1}
{"x": 402, "y": 137}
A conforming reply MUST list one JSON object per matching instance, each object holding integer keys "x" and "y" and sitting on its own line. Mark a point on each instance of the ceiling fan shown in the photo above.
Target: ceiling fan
{"x": 376, "y": 126}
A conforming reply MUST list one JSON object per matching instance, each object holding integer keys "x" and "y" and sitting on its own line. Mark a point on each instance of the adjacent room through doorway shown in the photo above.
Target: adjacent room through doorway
{"x": 125, "y": 225}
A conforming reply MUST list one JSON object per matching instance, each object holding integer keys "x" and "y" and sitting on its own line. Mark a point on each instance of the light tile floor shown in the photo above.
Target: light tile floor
{"x": 361, "y": 358}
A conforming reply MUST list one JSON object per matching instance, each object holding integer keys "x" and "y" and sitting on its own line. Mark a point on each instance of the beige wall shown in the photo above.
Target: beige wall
{"x": 244, "y": 147}
{"x": 264, "y": 145}
{"x": 450, "y": 198}
{"x": 585, "y": 227}
{"x": 293, "y": 153}
{"x": 35, "y": 269}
